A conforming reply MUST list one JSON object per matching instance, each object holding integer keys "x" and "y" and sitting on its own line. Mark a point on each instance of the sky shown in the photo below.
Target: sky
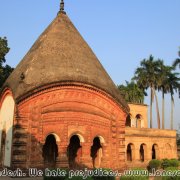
{"x": 120, "y": 32}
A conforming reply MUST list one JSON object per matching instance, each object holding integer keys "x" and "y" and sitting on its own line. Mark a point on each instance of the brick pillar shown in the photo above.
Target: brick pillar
{"x": 136, "y": 154}
{"x": 40, "y": 152}
{"x": 149, "y": 153}
{"x": 105, "y": 156}
{"x": 86, "y": 159}
{"x": 62, "y": 159}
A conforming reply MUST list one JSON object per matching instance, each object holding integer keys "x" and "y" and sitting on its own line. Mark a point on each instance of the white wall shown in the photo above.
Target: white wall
{"x": 6, "y": 122}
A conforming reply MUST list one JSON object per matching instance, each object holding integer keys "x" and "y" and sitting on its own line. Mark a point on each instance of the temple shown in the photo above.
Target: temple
{"x": 60, "y": 108}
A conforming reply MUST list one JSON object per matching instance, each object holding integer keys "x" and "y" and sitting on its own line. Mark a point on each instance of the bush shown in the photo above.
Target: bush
{"x": 173, "y": 169}
{"x": 174, "y": 163}
{"x": 165, "y": 163}
{"x": 154, "y": 164}
{"x": 169, "y": 163}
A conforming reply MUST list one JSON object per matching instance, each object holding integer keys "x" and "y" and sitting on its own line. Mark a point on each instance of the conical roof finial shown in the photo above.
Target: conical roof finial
{"x": 62, "y": 7}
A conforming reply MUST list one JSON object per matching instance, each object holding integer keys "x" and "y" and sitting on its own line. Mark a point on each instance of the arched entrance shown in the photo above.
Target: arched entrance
{"x": 154, "y": 151}
{"x": 142, "y": 152}
{"x": 138, "y": 120}
{"x": 6, "y": 127}
{"x": 74, "y": 152}
{"x": 128, "y": 121}
{"x": 50, "y": 151}
{"x": 96, "y": 152}
{"x": 129, "y": 152}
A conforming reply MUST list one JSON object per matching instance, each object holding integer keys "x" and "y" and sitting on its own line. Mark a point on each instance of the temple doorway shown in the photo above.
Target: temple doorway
{"x": 74, "y": 152}
{"x": 154, "y": 151}
{"x": 50, "y": 151}
{"x": 141, "y": 152}
{"x": 129, "y": 152}
{"x": 96, "y": 152}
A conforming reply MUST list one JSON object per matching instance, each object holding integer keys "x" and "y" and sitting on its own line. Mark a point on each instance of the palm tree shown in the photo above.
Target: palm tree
{"x": 147, "y": 76}
{"x": 132, "y": 93}
{"x": 174, "y": 86}
{"x": 176, "y": 63}
{"x": 164, "y": 85}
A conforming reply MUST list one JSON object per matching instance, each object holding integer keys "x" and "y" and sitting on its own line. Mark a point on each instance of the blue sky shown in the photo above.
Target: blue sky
{"x": 120, "y": 32}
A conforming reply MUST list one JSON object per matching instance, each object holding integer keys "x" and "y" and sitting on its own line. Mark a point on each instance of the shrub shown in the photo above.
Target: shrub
{"x": 173, "y": 177}
{"x": 165, "y": 163}
{"x": 154, "y": 164}
{"x": 174, "y": 163}
{"x": 169, "y": 163}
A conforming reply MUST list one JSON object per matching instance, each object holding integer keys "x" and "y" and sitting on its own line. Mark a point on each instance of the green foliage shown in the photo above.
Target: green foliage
{"x": 4, "y": 49}
{"x": 154, "y": 164}
{"x": 174, "y": 176}
{"x": 4, "y": 73}
{"x": 165, "y": 163}
{"x": 132, "y": 93}
{"x": 6, "y": 70}
{"x": 174, "y": 163}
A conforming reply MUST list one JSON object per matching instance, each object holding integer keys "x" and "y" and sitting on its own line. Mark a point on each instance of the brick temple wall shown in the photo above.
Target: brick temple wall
{"x": 65, "y": 111}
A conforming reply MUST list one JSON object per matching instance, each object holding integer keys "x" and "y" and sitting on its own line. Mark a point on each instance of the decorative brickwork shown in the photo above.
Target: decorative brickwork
{"x": 64, "y": 112}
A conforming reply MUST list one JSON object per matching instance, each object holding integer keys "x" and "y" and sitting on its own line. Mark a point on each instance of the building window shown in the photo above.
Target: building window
{"x": 142, "y": 152}
{"x": 128, "y": 121}
{"x": 130, "y": 152}
{"x": 138, "y": 120}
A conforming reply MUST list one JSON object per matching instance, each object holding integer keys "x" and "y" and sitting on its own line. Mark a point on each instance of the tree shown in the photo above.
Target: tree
{"x": 132, "y": 92}
{"x": 174, "y": 86}
{"x": 177, "y": 61}
{"x": 147, "y": 76}
{"x": 164, "y": 84}
{"x": 4, "y": 49}
{"x": 6, "y": 70}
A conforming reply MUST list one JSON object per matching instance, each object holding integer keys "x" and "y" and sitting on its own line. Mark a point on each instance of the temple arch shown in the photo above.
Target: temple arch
{"x": 155, "y": 151}
{"x": 139, "y": 120}
{"x": 6, "y": 126}
{"x": 50, "y": 151}
{"x": 128, "y": 121}
{"x": 96, "y": 151}
{"x": 143, "y": 152}
{"x": 130, "y": 152}
{"x": 55, "y": 136}
{"x": 74, "y": 151}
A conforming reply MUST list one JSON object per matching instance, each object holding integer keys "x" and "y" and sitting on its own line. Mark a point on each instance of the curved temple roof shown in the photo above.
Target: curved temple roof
{"x": 60, "y": 54}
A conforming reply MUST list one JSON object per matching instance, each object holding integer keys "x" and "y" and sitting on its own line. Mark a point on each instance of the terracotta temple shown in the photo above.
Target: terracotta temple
{"x": 60, "y": 108}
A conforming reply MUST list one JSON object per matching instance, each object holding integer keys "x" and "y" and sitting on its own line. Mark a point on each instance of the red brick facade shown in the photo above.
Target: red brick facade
{"x": 65, "y": 111}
